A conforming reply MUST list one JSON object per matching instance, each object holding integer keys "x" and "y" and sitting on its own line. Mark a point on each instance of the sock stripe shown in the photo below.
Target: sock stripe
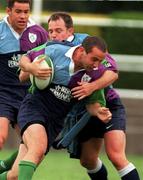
{"x": 28, "y": 163}
{"x": 98, "y": 167}
{"x": 126, "y": 170}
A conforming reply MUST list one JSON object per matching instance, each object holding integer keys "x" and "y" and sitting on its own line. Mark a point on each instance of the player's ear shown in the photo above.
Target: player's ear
{"x": 8, "y": 11}
{"x": 71, "y": 30}
{"x": 81, "y": 48}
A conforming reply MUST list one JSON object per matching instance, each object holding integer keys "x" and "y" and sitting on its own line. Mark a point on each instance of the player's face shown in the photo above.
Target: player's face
{"x": 18, "y": 16}
{"x": 58, "y": 31}
{"x": 92, "y": 59}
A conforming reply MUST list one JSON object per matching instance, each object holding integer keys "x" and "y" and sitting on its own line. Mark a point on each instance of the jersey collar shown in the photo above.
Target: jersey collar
{"x": 17, "y": 36}
{"x": 69, "y": 54}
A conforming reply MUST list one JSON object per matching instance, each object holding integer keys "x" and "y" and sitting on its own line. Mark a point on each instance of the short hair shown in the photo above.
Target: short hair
{"x": 10, "y": 3}
{"x": 63, "y": 15}
{"x": 93, "y": 41}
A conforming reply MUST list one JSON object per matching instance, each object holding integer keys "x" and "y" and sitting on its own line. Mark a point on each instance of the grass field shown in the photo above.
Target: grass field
{"x": 58, "y": 166}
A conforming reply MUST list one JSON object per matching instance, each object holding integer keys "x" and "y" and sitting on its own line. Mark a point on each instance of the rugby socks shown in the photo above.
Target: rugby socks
{"x": 129, "y": 173}
{"x": 26, "y": 170}
{"x": 3, "y": 176}
{"x": 6, "y": 164}
{"x": 99, "y": 173}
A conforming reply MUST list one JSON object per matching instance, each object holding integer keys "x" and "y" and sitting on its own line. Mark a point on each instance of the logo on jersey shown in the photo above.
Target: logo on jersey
{"x": 14, "y": 62}
{"x": 106, "y": 63}
{"x": 62, "y": 93}
{"x": 32, "y": 37}
{"x": 85, "y": 78}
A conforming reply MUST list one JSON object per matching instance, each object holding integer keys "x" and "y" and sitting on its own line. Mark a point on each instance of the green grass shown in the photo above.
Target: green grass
{"x": 58, "y": 166}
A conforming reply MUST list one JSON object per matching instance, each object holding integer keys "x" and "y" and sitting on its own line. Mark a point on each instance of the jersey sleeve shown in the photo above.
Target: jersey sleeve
{"x": 108, "y": 64}
{"x": 97, "y": 96}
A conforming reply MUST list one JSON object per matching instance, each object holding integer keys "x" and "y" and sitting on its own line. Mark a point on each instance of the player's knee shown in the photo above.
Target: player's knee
{"x": 117, "y": 160}
{"x": 88, "y": 163}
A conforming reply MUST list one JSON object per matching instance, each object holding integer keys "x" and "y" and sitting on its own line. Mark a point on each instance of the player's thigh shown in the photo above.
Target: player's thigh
{"x": 91, "y": 148}
{"x": 115, "y": 143}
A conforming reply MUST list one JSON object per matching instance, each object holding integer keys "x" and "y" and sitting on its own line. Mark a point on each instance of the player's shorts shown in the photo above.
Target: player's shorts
{"x": 10, "y": 112}
{"x": 10, "y": 101}
{"x": 45, "y": 109}
{"x": 96, "y": 128}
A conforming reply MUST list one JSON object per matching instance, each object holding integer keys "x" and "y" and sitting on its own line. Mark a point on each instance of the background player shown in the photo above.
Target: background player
{"x": 18, "y": 35}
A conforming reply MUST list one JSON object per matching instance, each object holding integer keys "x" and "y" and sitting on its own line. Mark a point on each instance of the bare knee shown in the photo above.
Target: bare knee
{"x": 88, "y": 162}
{"x": 118, "y": 160}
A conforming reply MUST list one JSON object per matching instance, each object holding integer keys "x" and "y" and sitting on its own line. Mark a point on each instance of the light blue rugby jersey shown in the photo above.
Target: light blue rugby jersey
{"x": 8, "y": 39}
{"x": 63, "y": 65}
{"x": 77, "y": 38}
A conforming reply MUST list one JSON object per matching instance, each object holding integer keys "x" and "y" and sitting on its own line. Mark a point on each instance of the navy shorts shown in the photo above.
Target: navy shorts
{"x": 96, "y": 128}
{"x": 45, "y": 109}
{"x": 10, "y": 101}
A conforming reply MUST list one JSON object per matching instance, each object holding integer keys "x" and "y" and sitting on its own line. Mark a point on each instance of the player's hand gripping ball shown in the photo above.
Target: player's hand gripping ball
{"x": 43, "y": 83}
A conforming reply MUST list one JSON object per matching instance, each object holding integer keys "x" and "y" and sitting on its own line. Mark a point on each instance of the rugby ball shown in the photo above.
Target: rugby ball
{"x": 43, "y": 83}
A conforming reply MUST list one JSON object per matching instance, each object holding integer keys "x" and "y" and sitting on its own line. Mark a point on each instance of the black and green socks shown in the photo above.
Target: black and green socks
{"x": 6, "y": 164}
{"x": 26, "y": 170}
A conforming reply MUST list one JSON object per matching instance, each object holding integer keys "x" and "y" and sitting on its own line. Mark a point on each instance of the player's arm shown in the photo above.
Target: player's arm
{"x": 85, "y": 89}
{"x": 23, "y": 76}
{"x": 96, "y": 106}
{"x": 24, "y": 65}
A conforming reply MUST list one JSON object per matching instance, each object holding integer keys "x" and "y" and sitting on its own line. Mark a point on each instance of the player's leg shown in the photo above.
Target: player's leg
{"x": 13, "y": 172}
{"x": 6, "y": 164}
{"x": 4, "y": 125}
{"x": 34, "y": 134}
{"x": 115, "y": 143}
{"x": 89, "y": 159}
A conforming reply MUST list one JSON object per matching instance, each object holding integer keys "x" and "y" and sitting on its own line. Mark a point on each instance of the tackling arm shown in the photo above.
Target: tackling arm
{"x": 85, "y": 89}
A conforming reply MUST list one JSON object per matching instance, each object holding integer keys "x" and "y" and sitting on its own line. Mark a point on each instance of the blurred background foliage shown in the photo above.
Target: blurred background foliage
{"x": 120, "y": 40}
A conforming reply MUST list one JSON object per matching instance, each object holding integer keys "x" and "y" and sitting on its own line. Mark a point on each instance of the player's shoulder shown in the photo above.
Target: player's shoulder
{"x": 78, "y": 38}
{"x": 3, "y": 29}
{"x": 37, "y": 29}
{"x": 2, "y": 24}
{"x": 81, "y": 35}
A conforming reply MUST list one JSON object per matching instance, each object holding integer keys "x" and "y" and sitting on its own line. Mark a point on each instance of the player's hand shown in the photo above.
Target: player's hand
{"x": 83, "y": 90}
{"x": 102, "y": 113}
{"x": 40, "y": 72}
